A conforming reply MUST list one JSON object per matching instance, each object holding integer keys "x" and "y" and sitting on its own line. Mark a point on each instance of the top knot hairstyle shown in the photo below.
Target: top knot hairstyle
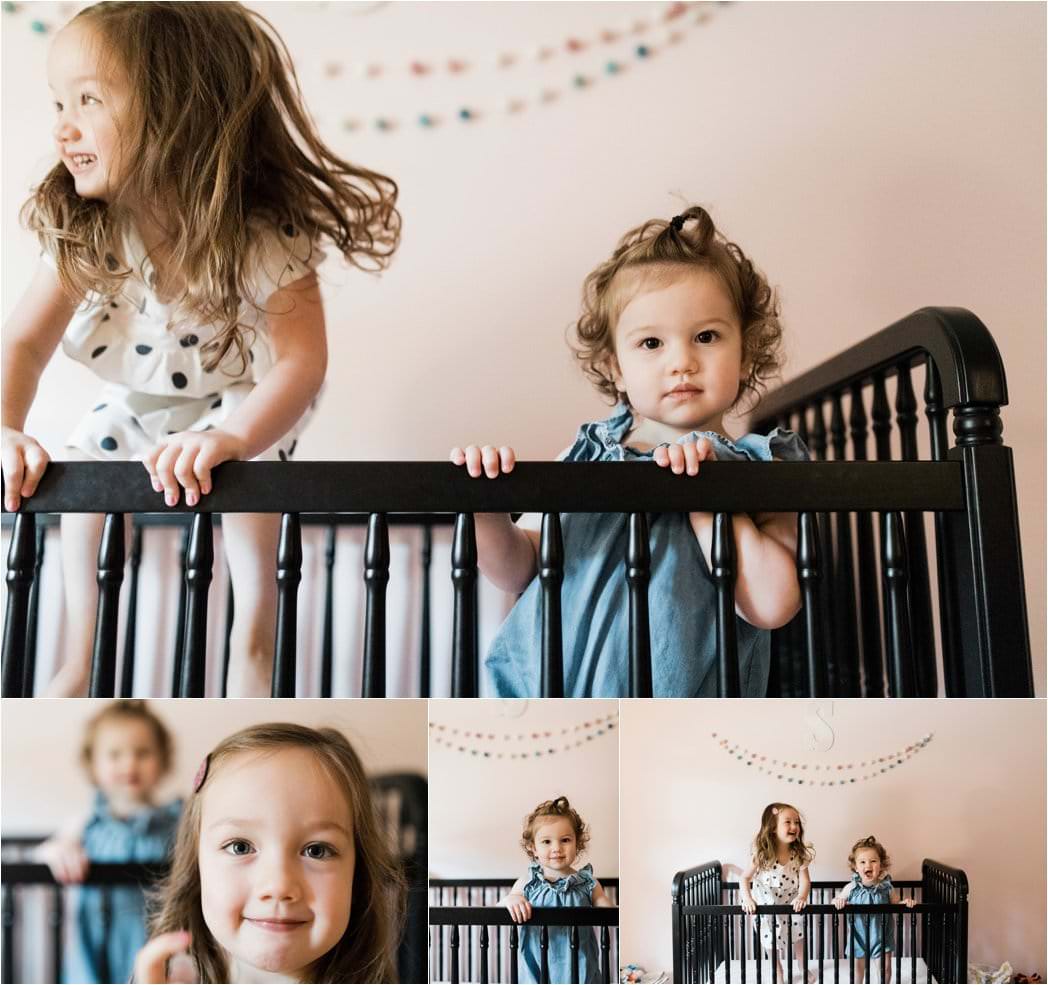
{"x": 871, "y": 843}
{"x": 661, "y": 250}
{"x": 127, "y": 711}
{"x": 215, "y": 134}
{"x": 549, "y": 809}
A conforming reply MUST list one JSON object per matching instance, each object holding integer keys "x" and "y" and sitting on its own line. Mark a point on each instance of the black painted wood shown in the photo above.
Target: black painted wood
{"x": 180, "y": 619}
{"x": 227, "y": 636}
{"x": 809, "y": 574}
{"x": 110, "y": 578}
{"x": 376, "y": 578}
{"x": 327, "y": 646}
{"x": 551, "y": 576}
{"x": 638, "y": 574}
{"x": 200, "y": 562}
{"x": 426, "y": 560}
{"x": 127, "y": 666}
{"x": 464, "y": 579}
{"x": 21, "y": 564}
{"x": 289, "y": 575}
{"x": 33, "y": 619}
{"x": 724, "y": 570}
{"x": 844, "y": 616}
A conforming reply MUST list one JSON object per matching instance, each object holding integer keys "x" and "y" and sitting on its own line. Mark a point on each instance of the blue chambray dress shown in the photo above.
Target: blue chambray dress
{"x": 143, "y": 837}
{"x": 879, "y": 937}
{"x": 595, "y": 595}
{"x": 573, "y": 890}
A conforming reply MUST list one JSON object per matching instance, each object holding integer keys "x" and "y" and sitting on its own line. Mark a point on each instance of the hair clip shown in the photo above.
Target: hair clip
{"x": 678, "y": 222}
{"x": 201, "y": 774}
{"x": 775, "y": 811}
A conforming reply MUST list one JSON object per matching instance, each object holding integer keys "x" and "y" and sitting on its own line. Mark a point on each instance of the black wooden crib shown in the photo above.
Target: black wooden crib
{"x": 471, "y": 939}
{"x": 714, "y": 941}
{"x": 910, "y": 567}
{"x": 36, "y": 909}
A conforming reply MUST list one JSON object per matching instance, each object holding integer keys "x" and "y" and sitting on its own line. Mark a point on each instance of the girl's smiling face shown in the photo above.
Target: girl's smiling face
{"x": 126, "y": 762}
{"x": 787, "y": 826}
{"x": 678, "y": 352}
{"x": 554, "y": 843}
{"x": 276, "y": 860}
{"x": 868, "y": 865}
{"x": 90, "y": 102}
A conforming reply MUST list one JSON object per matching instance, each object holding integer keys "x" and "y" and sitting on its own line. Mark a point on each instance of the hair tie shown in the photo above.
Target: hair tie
{"x": 201, "y": 774}
{"x": 678, "y": 222}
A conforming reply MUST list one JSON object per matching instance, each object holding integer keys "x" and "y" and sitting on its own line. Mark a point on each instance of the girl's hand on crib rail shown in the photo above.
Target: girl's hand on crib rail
{"x": 685, "y": 458}
{"x": 65, "y": 858}
{"x": 23, "y": 460}
{"x": 747, "y": 904}
{"x": 518, "y": 906}
{"x": 840, "y": 902}
{"x": 185, "y": 460}
{"x": 152, "y": 964}
{"x": 800, "y": 903}
{"x": 487, "y": 460}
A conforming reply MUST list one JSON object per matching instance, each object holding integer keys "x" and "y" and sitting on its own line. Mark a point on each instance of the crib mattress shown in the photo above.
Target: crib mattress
{"x": 827, "y": 973}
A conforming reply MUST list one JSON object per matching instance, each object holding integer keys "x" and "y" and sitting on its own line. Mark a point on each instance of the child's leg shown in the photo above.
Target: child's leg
{"x": 887, "y": 966}
{"x": 81, "y": 534}
{"x": 251, "y": 551}
{"x": 802, "y": 965}
{"x": 860, "y": 969}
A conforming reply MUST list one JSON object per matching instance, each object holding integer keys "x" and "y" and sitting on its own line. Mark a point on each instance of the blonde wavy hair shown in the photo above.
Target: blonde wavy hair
{"x": 366, "y": 952}
{"x": 661, "y": 249}
{"x": 766, "y": 844}
{"x": 559, "y": 807}
{"x": 218, "y": 135}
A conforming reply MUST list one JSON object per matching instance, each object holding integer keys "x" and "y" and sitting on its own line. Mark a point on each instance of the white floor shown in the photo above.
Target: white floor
{"x": 734, "y": 974}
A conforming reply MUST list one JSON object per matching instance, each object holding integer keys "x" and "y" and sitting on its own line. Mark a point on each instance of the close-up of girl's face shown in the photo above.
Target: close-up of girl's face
{"x": 868, "y": 865}
{"x": 126, "y": 762}
{"x": 788, "y": 826}
{"x": 276, "y": 860}
{"x": 90, "y": 103}
{"x": 678, "y": 352}
{"x": 554, "y": 843}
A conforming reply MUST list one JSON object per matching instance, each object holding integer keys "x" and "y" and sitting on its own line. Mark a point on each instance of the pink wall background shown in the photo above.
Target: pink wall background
{"x": 973, "y": 798}
{"x": 873, "y": 158}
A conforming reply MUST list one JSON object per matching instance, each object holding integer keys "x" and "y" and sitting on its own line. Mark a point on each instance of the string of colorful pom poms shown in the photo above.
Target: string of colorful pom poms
{"x": 543, "y": 742}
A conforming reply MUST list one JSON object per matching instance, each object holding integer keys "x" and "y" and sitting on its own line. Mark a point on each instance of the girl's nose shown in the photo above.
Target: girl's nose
{"x": 278, "y": 881}
{"x": 65, "y": 128}
{"x": 684, "y": 359}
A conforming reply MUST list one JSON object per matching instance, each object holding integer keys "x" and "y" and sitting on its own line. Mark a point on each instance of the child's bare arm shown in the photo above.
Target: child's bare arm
{"x": 803, "y": 891}
{"x": 745, "y": 897}
{"x": 63, "y": 852}
{"x": 896, "y": 897}
{"x": 599, "y": 896}
{"x": 296, "y": 327}
{"x": 30, "y": 337}
{"x": 517, "y": 903}
{"x": 507, "y": 553}
{"x": 840, "y": 901}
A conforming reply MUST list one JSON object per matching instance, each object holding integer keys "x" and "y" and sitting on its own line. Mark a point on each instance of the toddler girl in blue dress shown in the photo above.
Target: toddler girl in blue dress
{"x": 126, "y": 751}
{"x": 554, "y": 836}
{"x": 678, "y": 327}
{"x": 871, "y": 883}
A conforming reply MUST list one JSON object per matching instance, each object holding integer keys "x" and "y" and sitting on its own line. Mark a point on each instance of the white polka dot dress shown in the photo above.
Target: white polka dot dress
{"x": 151, "y": 359}
{"x": 778, "y": 886}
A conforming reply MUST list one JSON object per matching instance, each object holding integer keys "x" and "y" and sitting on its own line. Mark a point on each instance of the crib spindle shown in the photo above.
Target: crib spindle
{"x": 835, "y": 929}
{"x": 227, "y": 636}
{"x": 33, "y": 618}
{"x": 573, "y": 947}
{"x": 110, "y": 577}
{"x": 7, "y": 909}
{"x": 605, "y": 954}
{"x": 127, "y": 667}
{"x": 551, "y": 576}
{"x": 913, "y": 946}
{"x": 483, "y": 955}
{"x": 820, "y": 448}
{"x": 544, "y": 955}
{"x": 453, "y": 955}
{"x": 180, "y": 618}
{"x": 723, "y": 570}
{"x": 424, "y": 683}
{"x": 200, "y": 559}
{"x": 376, "y": 577}
{"x": 21, "y": 563}
{"x": 327, "y": 646}
{"x": 869, "y": 614}
{"x": 289, "y": 574}
{"x": 464, "y": 577}
{"x": 809, "y": 574}
{"x": 896, "y": 610}
{"x": 56, "y": 927}
{"x": 921, "y": 626}
{"x": 845, "y": 637}
{"x": 514, "y": 955}
{"x": 638, "y": 574}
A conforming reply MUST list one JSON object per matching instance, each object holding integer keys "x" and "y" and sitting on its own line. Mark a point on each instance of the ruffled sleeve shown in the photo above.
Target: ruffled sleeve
{"x": 584, "y": 880}
{"x": 777, "y": 446}
{"x": 278, "y": 256}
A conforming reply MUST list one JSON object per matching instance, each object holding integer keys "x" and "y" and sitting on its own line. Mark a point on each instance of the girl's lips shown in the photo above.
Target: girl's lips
{"x": 276, "y": 925}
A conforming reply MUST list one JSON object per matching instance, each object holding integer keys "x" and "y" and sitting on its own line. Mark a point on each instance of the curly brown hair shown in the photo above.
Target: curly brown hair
{"x": 219, "y": 136}
{"x": 559, "y": 807}
{"x": 870, "y": 842}
{"x": 123, "y": 711}
{"x": 367, "y": 949}
{"x": 766, "y": 844}
{"x": 661, "y": 249}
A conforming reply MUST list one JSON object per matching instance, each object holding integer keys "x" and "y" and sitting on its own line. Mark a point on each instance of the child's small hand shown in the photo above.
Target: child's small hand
{"x": 488, "y": 460}
{"x": 800, "y": 903}
{"x": 186, "y": 460}
{"x": 685, "y": 457}
{"x": 519, "y": 908}
{"x": 747, "y": 904}
{"x": 151, "y": 965}
{"x": 839, "y": 902}
{"x": 23, "y": 460}
{"x": 909, "y": 902}
{"x": 65, "y": 858}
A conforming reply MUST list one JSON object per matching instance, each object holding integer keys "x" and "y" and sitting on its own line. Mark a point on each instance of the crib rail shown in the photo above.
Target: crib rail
{"x": 859, "y": 633}
{"x": 711, "y": 934}
{"x": 488, "y": 962}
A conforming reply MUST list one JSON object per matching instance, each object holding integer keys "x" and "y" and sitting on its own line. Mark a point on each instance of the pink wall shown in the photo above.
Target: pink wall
{"x": 973, "y": 798}
{"x": 873, "y": 158}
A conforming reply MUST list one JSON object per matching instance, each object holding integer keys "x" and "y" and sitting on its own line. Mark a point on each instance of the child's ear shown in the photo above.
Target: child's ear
{"x": 610, "y": 368}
